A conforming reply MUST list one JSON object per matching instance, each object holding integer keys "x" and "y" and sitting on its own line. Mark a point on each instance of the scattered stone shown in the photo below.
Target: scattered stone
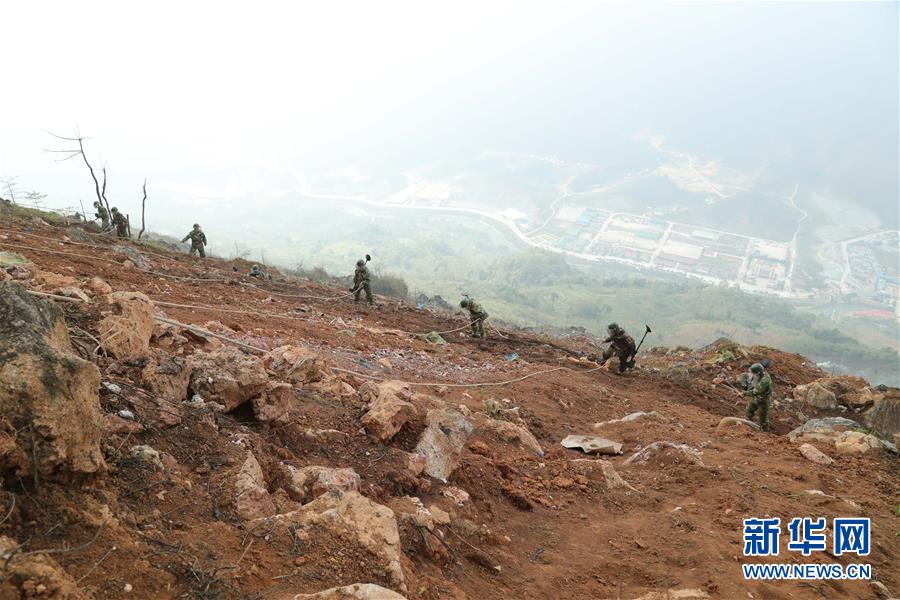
{"x": 72, "y": 292}
{"x": 677, "y": 452}
{"x": 274, "y": 404}
{"x": 884, "y": 418}
{"x": 414, "y": 463}
{"x": 134, "y": 256}
{"x": 446, "y": 431}
{"x": 35, "y": 576}
{"x": 813, "y": 454}
{"x": 388, "y": 411}
{"x": 854, "y": 442}
{"x": 47, "y": 391}
{"x": 591, "y": 444}
{"x": 299, "y": 366}
{"x": 18, "y": 273}
{"x": 825, "y": 430}
{"x": 166, "y": 376}
{"x": 354, "y": 519}
{"x": 357, "y": 591}
{"x": 510, "y": 432}
{"x": 326, "y": 436}
{"x": 410, "y": 509}
{"x": 612, "y": 477}
{"x": 816, "y": 395}
{"x": 307, "y": 483}
{"x": 227, "y": 376}
{"x": 51, "y": 282}
{"x": 456, "y": 494}
{"x": 727, "y": 423}
{"x": 480, "y": 448}
{"x": 635, "y": 416}
{"x": 113, "y": 423}
{"x": 441, "y": 517}
{"x": 147, "y": 454}
{"x": 125, "y": 329}
{"x": 252, "y": 499}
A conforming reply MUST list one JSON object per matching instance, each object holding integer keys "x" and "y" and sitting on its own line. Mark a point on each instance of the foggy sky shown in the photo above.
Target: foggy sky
{"x": 202, "y": 95}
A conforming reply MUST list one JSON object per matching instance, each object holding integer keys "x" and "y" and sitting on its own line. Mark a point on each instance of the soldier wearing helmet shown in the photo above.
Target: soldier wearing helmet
{"x": 477, "y": 314}
{"x": 198, "y": 240}
{"x": 121, "y": 223}
{"x": 621, "y": 344}
{"x": 362, "y": 283}
{"x": 102, "y": 214}
{"x": 759, "y": 389}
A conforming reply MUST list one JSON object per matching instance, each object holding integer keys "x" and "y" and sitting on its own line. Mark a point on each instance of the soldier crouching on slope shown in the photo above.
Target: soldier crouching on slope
{"x": 759, "y": 388}
{"x": 102, "y": 214}
{"x": 362, "y": 282}
{"x": 621, "y": 344}
{"x": 121, "y": 224}
{"x": 259, "y": 272}
{"x": 478, "y": 316}
{"x": 198, "y": 241}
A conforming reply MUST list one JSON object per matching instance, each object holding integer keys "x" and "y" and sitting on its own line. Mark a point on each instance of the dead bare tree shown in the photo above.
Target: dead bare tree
{"x": 143, "y": 207}
{"x": 99, "y": 189}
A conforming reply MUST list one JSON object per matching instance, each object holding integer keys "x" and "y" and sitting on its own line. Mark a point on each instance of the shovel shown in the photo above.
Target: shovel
{"x": 630, "y": 363}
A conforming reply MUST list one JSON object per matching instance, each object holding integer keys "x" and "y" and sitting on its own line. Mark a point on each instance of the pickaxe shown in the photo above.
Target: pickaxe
{"x": 630, "y": 363}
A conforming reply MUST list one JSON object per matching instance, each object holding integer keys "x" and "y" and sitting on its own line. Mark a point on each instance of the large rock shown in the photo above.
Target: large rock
{"x": 591, "y": 444}
{"x": 35, "y": 576}
{"x": 167, "y": 376}
{"x": 354, "y": 519}
{"x": 357, "y": 591}
{"x": 228, "y": 377}
{"x": 47, "y": 393}
{"x": 307, "y": 483}
{"x": 446, "y": 432}
{"x": 510, "y": 432}
{"x": 855, "y": 442}
{"x": 815, "y": 455}
{"x": 632, "y": 417}
{"x": 816, "y": 395}
{"x": 274, "y": 405}
{"x": 388, "y": 408}
{"x": 299, "y": 366}
{"x": 126, "y": 327}
{"x": 884, "y": 418}
{"x": 825, "y": 430}
{"x": 667, "y": 452}
{"x": 252, "y": 499}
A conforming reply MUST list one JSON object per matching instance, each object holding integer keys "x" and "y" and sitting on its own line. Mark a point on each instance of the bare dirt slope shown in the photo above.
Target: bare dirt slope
{"x": 205, "y": 489}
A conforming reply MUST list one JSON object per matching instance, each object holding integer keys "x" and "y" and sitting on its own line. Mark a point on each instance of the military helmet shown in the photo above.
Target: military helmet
{"x": 360, "y": 263}
{"x": 464, "y": 303}
{"x": 756, "y": 368}
{"x": 96, "y": 203}
{"x": 114, "y": 209}
{"x": 613, "y": 327}
{"x": 196, "y": 225}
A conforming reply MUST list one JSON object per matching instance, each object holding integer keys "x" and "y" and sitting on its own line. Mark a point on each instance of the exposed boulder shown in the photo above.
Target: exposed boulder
{"x": 611, "y": 477}
{"x": 126, "y": 328}
{"x": 307, "y": 483}
{"x": 50, "y": 282}
{"x": 227, "y": 376}
{"x": 167, "y": 376}
{"x": 148, "y": 455}
{"x": 353, "y": 519}
{"x": 252, "y": 500}
{"x": 727, "y": 423}
{"x": 510, "y": 432}
{"x": 814, "y": 394}
{"x": 445, "y": 435}
{"x": 635, "y": 416}
{"x": 388, "y": 410}
{"x": 825, "y": 430}
{"x": 302, "y": 367}
{"x": 98, "y": 287}
{"x": 591, "y": 444}
{"x": 667, "y": 451}
{"x": 274, "y": 405}
{"x": 47, "y": 393}
{"x": 854, "y": 442}
{"x": 884, "y": 417}
{"x": 815, "y": 455}
{"x": 357, "y": 591}
{"x": 34, "y": 576}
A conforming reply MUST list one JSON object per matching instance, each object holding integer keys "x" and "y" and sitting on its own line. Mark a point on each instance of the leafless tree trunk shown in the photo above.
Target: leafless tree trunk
{"x": 143, "y": 207}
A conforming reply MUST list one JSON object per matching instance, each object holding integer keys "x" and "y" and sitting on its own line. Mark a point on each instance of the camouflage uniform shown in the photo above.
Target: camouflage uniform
{"x": 258, "y": 272}
{"x": 121, "y": 224}
{"x": 478, "y": 316}
{"x": 620, "y": 344}
{"x": 760, "y": 392}
{"x": 362, "y": 283}
{"x": 198, "y": 241}
{"x": 101, "y": 214}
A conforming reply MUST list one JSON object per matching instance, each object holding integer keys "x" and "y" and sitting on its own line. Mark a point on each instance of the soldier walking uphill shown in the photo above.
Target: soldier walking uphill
{"x": 478, "y": 316}
{"x": 198, "y": 241}
{"x": 121, "y": 224}
{"x": 102, "y": 214}
{"x": 362, "y": 283}
{"x": 621, "y": 344}
{"x": 759, "y": 389}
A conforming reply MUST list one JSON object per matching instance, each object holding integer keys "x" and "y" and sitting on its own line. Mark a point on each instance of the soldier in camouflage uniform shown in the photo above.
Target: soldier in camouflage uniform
{"x": 362, "y": 283}
{"x": 101, "y": 214}
{"x": 477, "y": 314}
{"x": 759, "y": 389}
{"x": 621, "y": 344}
{"x": 259, "y": 272}
{"x": 121, "y": 223}
{"x": 198, "y": 241}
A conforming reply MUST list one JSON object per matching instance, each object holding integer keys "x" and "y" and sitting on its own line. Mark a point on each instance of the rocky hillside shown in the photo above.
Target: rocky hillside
{"x": 172, "y": 428}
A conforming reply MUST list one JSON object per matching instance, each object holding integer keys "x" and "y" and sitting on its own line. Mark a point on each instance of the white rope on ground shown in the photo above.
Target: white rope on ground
{"x": 228, "y": 310}
{"x": 203, "y": 331}
{"x": 298, "y": 296}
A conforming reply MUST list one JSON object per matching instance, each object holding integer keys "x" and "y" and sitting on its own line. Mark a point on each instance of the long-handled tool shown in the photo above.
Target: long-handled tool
{"x": 630, "y": 363}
